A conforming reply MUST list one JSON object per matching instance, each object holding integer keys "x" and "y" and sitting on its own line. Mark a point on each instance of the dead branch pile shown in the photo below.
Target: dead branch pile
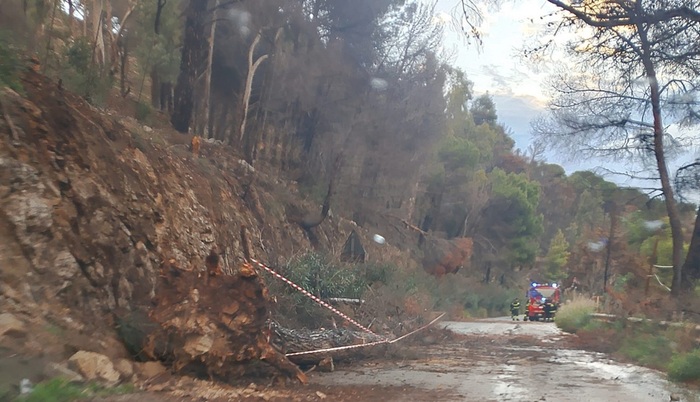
{"x": 216, "y": 323}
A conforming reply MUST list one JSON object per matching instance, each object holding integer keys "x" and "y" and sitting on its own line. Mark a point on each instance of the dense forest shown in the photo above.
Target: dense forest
{"x": 358, "y": 102}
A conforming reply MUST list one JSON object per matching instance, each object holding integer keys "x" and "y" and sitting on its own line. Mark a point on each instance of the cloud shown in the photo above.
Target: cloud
{"x": 515, "y": 112}
{"x": 502, "y": 83}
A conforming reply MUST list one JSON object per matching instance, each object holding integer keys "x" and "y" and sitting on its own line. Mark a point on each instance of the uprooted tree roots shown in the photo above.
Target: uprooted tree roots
{"x": 216, "y": 324}
{"x": 220, "y": 324}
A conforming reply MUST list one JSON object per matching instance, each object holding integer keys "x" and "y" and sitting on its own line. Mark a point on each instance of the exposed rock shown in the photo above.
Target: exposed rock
{"x": 11, "y": 326}
{"x": 65, "y": 265}
{"x": 94, "y": 366}
{"x": 148, "y": 370}
{"x": 125, "y": 368}
{"x": 90, "y": 209}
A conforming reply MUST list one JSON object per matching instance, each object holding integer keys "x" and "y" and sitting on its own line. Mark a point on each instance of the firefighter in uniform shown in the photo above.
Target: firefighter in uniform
{"x": 549, "y": 309}
{"x": 515, "y": 309}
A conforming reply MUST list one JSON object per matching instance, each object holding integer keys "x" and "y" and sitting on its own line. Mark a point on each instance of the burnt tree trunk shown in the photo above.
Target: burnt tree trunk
{"x": 155, "y": 89}
{"x": 123, "y": 65}
{"x": 195, "y": 51}
{"x": 312, "y": 220}
{"x": 674, "y": 219}
{"x": 691, "y": 267}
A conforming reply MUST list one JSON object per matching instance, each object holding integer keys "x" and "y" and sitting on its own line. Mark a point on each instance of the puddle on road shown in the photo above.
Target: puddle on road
{"x": 506, "y": 385}
{"x": 549, "y": 375}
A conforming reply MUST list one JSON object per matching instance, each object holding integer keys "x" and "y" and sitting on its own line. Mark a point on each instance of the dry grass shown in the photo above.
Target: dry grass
{"x": 575, "y": 314}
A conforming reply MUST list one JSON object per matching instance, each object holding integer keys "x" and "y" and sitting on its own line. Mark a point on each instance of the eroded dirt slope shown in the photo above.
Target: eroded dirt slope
{"x": 91, "y": 205}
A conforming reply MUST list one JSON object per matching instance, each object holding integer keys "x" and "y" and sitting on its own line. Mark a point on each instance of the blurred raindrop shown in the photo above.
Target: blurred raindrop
{"x": 596, "y": 246}
{"x": 241, "y": 19}
{"x": 378, "y": 239}
{"x": 379, "y": 84}
{"x": 653, "y": 225}
{"x": 643, "y": 81}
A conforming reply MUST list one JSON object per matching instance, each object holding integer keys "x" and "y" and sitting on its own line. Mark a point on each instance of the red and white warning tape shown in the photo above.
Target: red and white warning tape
{"x": 331, "y": 308}
{"x": 314, "y": 298}
{"x": 362, "y": 345}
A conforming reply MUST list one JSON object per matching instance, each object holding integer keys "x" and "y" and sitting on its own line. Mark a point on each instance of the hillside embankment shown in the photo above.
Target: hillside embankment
{"x": 94, "y": 205}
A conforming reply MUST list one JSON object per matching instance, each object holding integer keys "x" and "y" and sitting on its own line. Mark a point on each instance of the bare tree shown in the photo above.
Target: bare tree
{"x": 640, "y": 58}
{"x": 195, "y": 50}
{"x": 253, "y": 65}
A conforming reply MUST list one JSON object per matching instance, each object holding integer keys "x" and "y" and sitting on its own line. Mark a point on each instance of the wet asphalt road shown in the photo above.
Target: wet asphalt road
{"x": 490, "y": 368}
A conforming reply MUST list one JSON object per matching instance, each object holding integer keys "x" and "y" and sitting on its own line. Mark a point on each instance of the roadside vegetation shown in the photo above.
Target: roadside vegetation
{"x": 673, "y": 350}
{"x": 387, "y": 290}
{"x": 9, "y": 62}
{"x": 575, "y": 314}
{"x": 60, "y": 390}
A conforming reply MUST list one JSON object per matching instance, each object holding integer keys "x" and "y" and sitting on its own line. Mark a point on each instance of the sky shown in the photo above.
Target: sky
{"x": 497, "y": 66}
{"x": 517, "y": 85}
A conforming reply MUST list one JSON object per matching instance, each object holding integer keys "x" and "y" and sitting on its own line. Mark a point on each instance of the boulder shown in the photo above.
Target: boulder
{"x": 125, "y": 368}
{"x": 95, "y": 366}
{"x": 148, "y": 370}
{"x": 11, "y": 325}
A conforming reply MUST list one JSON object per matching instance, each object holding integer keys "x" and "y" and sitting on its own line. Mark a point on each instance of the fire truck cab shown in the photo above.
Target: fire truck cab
{"x": 537, "y": 296}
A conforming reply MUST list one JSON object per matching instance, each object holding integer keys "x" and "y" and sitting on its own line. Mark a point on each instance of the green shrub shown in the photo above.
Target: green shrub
{"x": 685, "y": 367}
{"x": 647, "y": 349}
{"x": 61, "y": 390}
{"x": 82, "y": 76}
{"x": 9, "y": 62}
{"x": 55, "y": 390}
{"x": 575, "y": 315}
{"x": 318, "y": 275}
{"x": 143, "y": 112}
{"x": 377, "y": 273}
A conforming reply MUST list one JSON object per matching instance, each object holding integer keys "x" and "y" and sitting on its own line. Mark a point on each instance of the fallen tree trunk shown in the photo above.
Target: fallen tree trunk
{"x": 296, "y": 342}
{"x": 219, "y": 324}
{"x": 216, "y": 324}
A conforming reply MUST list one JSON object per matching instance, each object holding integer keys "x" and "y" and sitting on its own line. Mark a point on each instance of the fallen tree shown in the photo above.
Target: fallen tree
{"x": 305, "y": 347}
{"x": 208, "y": 323}
{"x": 220, "y": 324}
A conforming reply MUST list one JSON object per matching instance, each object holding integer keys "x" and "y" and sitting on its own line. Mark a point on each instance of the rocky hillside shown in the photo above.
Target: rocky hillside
{"x": 92, "y": 204}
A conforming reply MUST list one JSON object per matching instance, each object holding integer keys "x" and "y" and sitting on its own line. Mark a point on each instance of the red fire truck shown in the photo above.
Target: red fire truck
{"x": 537, "y": 296}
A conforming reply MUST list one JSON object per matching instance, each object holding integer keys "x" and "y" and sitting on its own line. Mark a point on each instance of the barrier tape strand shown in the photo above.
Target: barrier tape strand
{"x": 314, "y": 298}
{"x": 362, "y": 345}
